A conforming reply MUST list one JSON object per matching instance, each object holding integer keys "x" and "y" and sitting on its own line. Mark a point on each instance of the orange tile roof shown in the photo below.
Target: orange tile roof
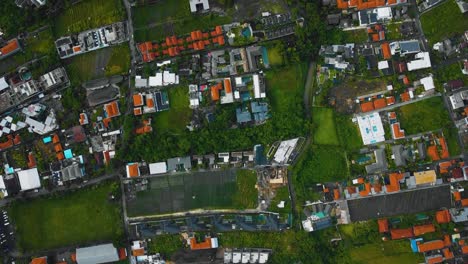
{"x": 11, "y": 46}
{"x": 445, "y": 153}
{"x": 150, "y": 102}
{"x": 112, "y": 109}
{"x": 423, "y": 229}
{"x": 227, "y": 85}
{"x": 391, "y": 2}
{"x": 138, "y": 252}
{"x": 457, "y": 196}
{"x": 406, "y": 80}
{"x": 342, "y": 4}
{"x": 444, "y": 166}
{"x": 442, "y": 216}
{"x": 380, "y": 103}
{"x": 215, "y": 92}
{"x": 431, "y": 245}
{"x": 133, "y": 170}
{"x": 465, "y": 250}
{"x": 366, "y": 191}
{"x": 76, "y": 49}
{"x": 58, "y": 147}
{"x": 434, "y": 260}
{"x": 405, "y": 97}
{"x": 137, "y": 111}
{"x": 383, "y": 225}
{"x": 106, "y": 122}
{"x": 465, "y": 111}
{"x": 447, "y": 241}
{"x": 55, "y": 139}
{"x": 221, "y": 40}
{"x": 397, "y": 132}
{"x": 336, "y": 194}
{"x": 367, "y": 107}
{"x": 386, "y": 51}
{"x": 392, "y": 115}
{"x": 137, "y": 99}
{"x": 464, "y": 202}
{"x": 82, "y": 118}
{"x": 219, "y": 30}
{"x": 390, "y": 100}
{"x": 41, "y": 260}
{"x": 17, "y": 139}
{"x": 377, "y": 188}
{"x": 447, "y": 253}
{"x": 401, "y": 233}
{"x": 31, "y": 161}
{"x": 60, "y": 156}
{"x": 433, "y": 153}
{"x": 394, "y": 182}
{"x": 375, "y": 37}
{"x": 203, "y": 245}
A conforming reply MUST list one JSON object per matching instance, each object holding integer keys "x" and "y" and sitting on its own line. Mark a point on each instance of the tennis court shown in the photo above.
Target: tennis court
{"x": 176, "y": 193}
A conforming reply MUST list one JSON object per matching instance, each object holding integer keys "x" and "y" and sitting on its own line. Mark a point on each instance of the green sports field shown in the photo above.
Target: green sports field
{"x": 197, "y": 190}
{"x": 82, "y": 216}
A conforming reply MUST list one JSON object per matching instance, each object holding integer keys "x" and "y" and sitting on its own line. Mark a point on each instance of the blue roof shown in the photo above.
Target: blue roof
{"x": 47, "y": 140}
{"x": 243, "y": 116}
{"x": 414, "y": 244}
{"x": 259, "y": 107}
{"x": 68, "y": 154}
{"x": 260, "y": 158}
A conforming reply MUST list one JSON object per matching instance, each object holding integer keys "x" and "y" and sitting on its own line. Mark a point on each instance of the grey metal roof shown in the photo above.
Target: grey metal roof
{"x": 380, "y": 162}
{"x": 97, "y": 254}
{"x": 411, "y": 46}
{"x": 179, "y": 162}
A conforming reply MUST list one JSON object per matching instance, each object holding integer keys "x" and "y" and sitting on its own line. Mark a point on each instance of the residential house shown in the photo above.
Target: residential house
{"x": 457, "y": 100}
{"x": 199, "y": 5}
{"x": 157, "y": 168}
{"x": 421, "y": 60}
{"x": 371, "y": 128}
{"x": 97, "y": 254}
{"x": 380, "y": 162}
{"x": 179, "y": 164}
{"x": 9, "y": 48}
{"x": 29, "y": 179}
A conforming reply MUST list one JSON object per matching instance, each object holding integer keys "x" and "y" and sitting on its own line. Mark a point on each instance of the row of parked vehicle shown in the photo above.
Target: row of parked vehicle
{"x": 6, "y": 233}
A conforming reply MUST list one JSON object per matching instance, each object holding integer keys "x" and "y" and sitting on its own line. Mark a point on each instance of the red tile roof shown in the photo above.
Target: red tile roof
{"x": 137, "y": 99}
{"x": 431, "y": 245}
{"x": 443, "y": 216}
{"x": 10, "y": 47}
{"x": 380, "y": 103}
{"x": 386, "y": 53}
{"x": 397, "y": 132}
{"x": 423, "y": 229}
{"x": 203, "y": 245}
{"x": 401, "y": 233}
{"x": 367, "y": 107}
{"x": 383, "y": 225}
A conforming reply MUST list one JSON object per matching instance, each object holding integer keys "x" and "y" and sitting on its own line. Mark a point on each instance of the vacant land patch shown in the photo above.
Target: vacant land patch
{"x": 425, "y": 115}
{"x": 348, "y": 132}
{"x": 179, "y": 113}
{"x": 214, "y": 189}
{"x": 119, "y": 61}
{"x": 443, "y": 21}
{"x": 88, "y": 14}
{"x": 325, "y": 130}
{"x": 355, "y": 36}
{"x": 56, "y": 221}
{"x": 274, "y": 56}
{"x": 162, "y": 11}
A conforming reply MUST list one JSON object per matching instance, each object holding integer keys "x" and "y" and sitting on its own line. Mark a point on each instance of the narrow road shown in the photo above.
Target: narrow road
{"x": 308, "y": 89}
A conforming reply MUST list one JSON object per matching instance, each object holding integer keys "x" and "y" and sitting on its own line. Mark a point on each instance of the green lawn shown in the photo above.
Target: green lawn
{"x": 386, "y": 252}
{"x": 348, "y": 132}
{"x": 119, "y": 61}
{"x": 56, "y": 221}
{"x": 325, "y": 130}
{"x": 100, "y": 63}
{"x": 246, "y": 195}
{"x": 166, "y": 245}
{"x": 179, "y": 27}
{"x": 426, "y": 115}
{"x": 451, "y": 135}
{"x": 197, "y": 190}
{"x": 275, "y": 57}
{"x": 322, "y": 164}
{"x": 393, "y": 31}
{"x": 179, "y": 113}
{"x": 448, "y": 73}
{"x": 355, "y": 36}
{"x": 281, "y": 194}
{"x": 162, "y": 11}
{"x": 88, "y": 14}
{"x": 443, "y": 21}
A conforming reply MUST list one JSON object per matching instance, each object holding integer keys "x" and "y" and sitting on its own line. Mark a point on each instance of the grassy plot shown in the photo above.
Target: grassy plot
{"x": 100, "y": 63}
{"x": 393, "y": 31}
{"x": 325, "y": 132}
{"x": 451, "y": 72}
{"x": 176, "y": 193}
{"x": 443, "y": 21}
{"x": 386, "y": 252}
{"x": 355, "y": 36}
{"x": 82, "y": 216}
{"x": 348, "y": 132}
{"x": 119, "y": 61}
{"x": 88, "y": 14}
{"x": 275, "y": 57}
{"x": 179, "y": 113}
{"x": 166, "y": 245}
{"x": 162, "y": 11}
{"x": 322, "y": 164}
{"x": 282, "y": 194}
{"x": 451, "y": 135}
{"x": 426, "y": 115}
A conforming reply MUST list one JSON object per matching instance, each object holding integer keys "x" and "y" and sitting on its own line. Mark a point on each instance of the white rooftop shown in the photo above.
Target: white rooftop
{"x": 371, "y": 128}
{"x": 428, "y": 83}
{"x": 158, "y": 167}
{"x": 422, "y": 61}
{"x": 256, "y": 84}
{"x": 3, "y": 189}
{"x": 284, "y": 150}
{"x": 383, "y": 65}
{"x": 29, "y": 179}
{"x": 3, "y": 84}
